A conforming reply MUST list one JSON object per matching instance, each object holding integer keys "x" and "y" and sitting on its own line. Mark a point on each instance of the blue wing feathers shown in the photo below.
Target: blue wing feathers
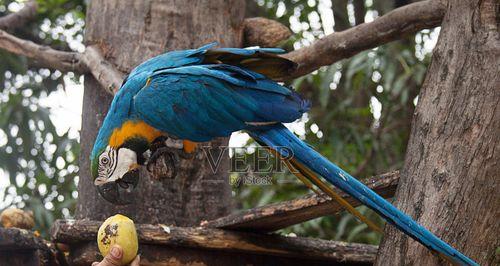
{"x": 214, "y": 100}
{"x": 231, "y": 74}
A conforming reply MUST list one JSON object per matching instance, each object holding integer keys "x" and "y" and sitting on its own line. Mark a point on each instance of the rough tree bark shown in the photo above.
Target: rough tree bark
{"x": 450, "y": 180}
{"x": 129, "y": 32}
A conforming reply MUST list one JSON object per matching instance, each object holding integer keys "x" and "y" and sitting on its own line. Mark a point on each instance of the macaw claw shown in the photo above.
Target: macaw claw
{"x": 170, "y": 159}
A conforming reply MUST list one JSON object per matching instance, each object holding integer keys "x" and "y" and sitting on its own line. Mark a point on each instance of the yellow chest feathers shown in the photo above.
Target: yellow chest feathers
{"x": 133, "y": 129}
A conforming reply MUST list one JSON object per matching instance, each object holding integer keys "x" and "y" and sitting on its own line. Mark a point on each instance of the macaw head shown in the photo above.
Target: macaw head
{"x": 116, "y": 174}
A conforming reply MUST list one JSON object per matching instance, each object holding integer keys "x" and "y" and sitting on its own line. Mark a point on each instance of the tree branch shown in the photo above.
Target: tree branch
{"x": 102, "y": 70}
{"x": 277, "y": 216}
{"x": 43, "y": 55}
{"x": 81, "y": 231}
{"x": 392, "y": 26}
{"x": 18, "y": 19}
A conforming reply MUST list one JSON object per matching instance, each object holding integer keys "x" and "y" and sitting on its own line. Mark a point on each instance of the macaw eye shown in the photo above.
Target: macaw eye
{"x": 104, "y": 160}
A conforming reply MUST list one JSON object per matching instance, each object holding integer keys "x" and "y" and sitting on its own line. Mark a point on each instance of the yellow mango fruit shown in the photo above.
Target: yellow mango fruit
{"x": 119, "y": 230}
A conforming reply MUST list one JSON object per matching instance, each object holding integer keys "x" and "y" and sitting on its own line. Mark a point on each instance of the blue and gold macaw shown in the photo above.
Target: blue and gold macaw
{"x": 200, "y": 94}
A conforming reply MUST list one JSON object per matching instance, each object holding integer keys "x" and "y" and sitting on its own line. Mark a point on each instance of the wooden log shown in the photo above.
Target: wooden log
{"x": 273, "y": 217}
{"x": 157, "y": 255}
{"x": 78, "y": 232}
{"x": 22, "y": 247}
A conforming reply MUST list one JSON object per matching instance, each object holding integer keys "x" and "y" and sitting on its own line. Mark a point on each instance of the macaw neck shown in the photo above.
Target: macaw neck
{"x": 134, "y": 134}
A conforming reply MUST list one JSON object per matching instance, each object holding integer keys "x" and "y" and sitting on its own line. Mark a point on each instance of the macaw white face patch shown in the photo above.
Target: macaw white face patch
{"x": 114, "y": 164}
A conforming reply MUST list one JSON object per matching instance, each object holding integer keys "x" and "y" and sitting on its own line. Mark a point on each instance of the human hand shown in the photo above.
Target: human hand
{"x": 114, "y": 258}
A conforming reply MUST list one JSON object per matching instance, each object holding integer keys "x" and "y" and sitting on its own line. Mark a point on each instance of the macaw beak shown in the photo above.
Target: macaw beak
{"x": 120, "y": 192}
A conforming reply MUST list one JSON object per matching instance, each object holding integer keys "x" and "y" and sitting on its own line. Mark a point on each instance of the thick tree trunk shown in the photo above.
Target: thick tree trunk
{"x": 450, "y": 180}
{"x": 129, "y": 32}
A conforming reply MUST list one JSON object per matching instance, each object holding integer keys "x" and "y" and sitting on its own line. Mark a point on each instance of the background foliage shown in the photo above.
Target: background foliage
{"x": 361, "y": 114}
{"x": 38, "y": 162}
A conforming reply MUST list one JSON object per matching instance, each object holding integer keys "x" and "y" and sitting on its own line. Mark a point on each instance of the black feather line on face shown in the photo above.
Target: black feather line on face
{"x": 113, "y": 160}
{"x": 137, "y": 144}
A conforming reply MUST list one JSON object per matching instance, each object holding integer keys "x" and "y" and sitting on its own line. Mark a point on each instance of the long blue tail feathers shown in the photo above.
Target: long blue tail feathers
{"x": 279, "y": 137}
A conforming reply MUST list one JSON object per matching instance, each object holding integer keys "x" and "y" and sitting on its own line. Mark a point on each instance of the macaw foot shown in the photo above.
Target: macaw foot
{"x": 170, "y": 159}
{"x": 170, "y": 151}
